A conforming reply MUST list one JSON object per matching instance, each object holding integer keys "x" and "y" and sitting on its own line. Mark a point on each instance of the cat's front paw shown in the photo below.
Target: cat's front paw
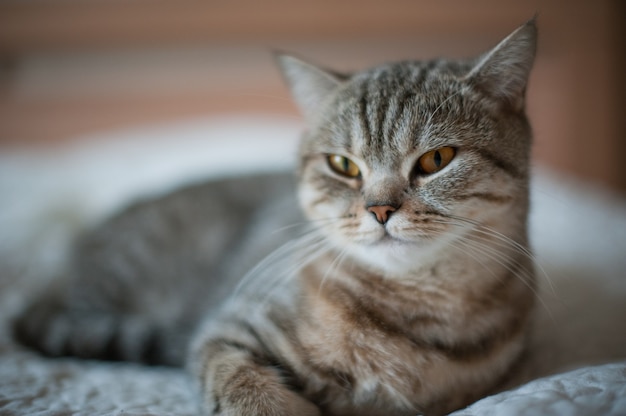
{"x": 286, "y": 403}
{"x": 239, "y": 387}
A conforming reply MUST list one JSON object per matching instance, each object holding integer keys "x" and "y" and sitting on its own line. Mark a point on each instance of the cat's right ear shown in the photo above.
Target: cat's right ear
{"x": 503, "y": 72}
{"x": 310, "y": 86}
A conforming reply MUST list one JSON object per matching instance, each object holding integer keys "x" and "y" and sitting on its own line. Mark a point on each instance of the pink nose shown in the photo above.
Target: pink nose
{"x": 381, "y": 212}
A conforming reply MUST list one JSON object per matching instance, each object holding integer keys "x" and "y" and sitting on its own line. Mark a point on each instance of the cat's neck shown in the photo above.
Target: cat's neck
{"x": 455, "y": 271}
{"x": 436, "y": 303}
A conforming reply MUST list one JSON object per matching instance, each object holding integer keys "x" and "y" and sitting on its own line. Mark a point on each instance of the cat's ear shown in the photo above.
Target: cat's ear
{"x": 503, "y": 72}
{"x": 310, "y": 86}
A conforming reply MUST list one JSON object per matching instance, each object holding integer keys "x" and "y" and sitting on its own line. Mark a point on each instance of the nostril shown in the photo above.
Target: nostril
{"x": 381, "y": 212}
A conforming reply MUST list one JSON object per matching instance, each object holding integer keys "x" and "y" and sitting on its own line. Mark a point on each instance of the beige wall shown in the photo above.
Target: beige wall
{"x": 68, "y": 68}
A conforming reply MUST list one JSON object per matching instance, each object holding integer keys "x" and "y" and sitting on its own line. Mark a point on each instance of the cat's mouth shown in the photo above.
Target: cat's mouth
{"x": 387, "y": 238}
{"x": 390, "y": 238}
{"x": 394, "y": 254}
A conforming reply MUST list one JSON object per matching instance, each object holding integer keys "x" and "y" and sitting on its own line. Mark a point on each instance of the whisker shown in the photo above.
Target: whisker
{"x": 306, "y": 223}
{"x": 467, "y": 247}
{"x": 284, "y": 262}
{"x": 526, "y": 253}
{"x": 314, "y": 251}
{"x": 478, "y": 227}
{"x": 493, "y": 232}
{"x": 496, "y": 255}
{"x": 463, "y": 249}
{"x": 439, "y": 107}
{"x": 280, "y": 254}
{"x": 335, "y": 265}
{"x": 474, "y": 241}
{"x": 501, "y": 259}
{"x": 505, "y": 241}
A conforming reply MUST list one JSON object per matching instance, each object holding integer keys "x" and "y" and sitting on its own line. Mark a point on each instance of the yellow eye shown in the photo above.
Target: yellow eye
{"x": 435, "y": 160}
{"x": 343, "y": 166}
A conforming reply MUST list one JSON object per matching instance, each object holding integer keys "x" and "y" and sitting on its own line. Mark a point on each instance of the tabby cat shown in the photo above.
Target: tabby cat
{"x": 406, "y": 288}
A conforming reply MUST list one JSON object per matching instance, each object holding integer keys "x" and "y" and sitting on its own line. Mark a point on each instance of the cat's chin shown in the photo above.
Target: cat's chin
{"x": 396, "y": 256}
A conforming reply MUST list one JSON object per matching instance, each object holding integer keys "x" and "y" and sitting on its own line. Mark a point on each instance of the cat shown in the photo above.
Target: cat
{"x": 393, "y": 272}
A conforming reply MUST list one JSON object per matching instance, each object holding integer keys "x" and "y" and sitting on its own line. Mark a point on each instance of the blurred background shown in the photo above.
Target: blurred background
{"x": 71, "y": 68}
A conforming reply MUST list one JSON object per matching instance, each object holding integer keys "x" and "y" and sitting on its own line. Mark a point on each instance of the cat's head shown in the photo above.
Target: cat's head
{"x": 403, "y": 158}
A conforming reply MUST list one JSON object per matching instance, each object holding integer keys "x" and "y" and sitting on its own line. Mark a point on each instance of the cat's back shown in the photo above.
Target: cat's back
{"x": 158, "y": 265}
{"x": 187, "y": 231}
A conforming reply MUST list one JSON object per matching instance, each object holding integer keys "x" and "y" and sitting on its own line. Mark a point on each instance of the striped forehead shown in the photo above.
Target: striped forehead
{"x": 390, "y": 107}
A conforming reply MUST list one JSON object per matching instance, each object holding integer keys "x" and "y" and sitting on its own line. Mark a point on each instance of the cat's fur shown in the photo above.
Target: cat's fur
{"x": 410, "y": 293}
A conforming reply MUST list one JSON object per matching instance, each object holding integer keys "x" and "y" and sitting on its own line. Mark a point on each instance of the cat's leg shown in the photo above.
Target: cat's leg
{"x": 236, "y": 381}
{"x": 57, "y": 327}
{"x": 113, "y": 302}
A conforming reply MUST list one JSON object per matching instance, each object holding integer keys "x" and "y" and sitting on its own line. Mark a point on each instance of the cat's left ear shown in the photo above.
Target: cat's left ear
{"x": 503, "y": 72}
{"x": 310, "y": 86}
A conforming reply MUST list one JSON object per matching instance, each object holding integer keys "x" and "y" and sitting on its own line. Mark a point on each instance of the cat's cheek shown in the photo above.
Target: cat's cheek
{"x": 311, "y": 202}
{"x": 318, "y": 205}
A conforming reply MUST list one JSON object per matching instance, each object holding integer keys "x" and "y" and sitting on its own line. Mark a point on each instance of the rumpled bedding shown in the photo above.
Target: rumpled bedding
{"x": 576, "y": 363}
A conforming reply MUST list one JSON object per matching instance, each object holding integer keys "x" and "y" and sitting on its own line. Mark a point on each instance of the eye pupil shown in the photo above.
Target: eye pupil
{"x": 343, "y": 166}
{"x": 437, "y": 158}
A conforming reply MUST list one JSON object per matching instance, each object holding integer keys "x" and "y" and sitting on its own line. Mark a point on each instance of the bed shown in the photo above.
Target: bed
{"x": 577, "y": 356}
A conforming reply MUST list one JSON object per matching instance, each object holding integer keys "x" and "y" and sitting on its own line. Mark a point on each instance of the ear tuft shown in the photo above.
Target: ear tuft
{"x": 503, "y": 72}
{"x": 310, "y": 86}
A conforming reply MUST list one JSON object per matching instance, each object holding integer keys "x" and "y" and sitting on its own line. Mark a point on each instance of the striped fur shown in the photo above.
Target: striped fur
{"x": 425, "y": 313}
{"x": 419, "y": 309}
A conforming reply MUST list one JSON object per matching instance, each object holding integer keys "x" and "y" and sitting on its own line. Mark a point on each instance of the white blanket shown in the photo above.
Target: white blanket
{"x": 577, "y": 360}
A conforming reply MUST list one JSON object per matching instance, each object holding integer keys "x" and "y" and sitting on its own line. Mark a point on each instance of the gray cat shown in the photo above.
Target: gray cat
{"x": 405, "y": 287}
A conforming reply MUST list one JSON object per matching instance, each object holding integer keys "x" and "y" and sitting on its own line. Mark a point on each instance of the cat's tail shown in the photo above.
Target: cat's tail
{"x": 55, "y": 330}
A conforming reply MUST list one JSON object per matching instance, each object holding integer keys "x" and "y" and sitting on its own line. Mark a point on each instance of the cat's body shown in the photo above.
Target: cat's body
{"x": 409, "y": 293}
{"x": 139, "y": 283}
